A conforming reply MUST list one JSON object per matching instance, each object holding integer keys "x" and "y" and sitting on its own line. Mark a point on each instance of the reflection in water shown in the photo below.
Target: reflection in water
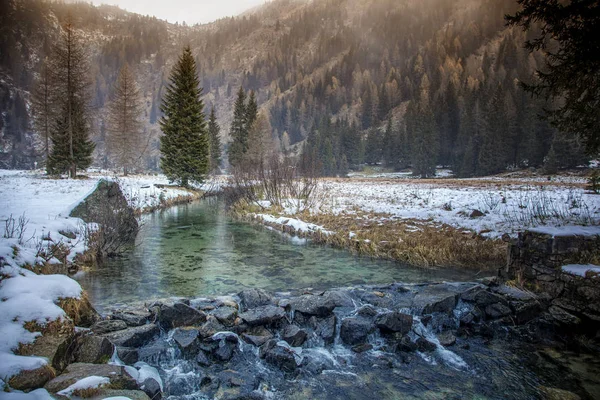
{"x": 195, "y": 250}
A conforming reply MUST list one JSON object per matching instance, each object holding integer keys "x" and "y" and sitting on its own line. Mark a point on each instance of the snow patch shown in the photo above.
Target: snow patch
{"x": 91, "y": 382}
{"x": 581, "y": 270}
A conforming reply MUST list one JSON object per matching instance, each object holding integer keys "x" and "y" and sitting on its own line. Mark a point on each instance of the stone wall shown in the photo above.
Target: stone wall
{"x": 535, "y": 261}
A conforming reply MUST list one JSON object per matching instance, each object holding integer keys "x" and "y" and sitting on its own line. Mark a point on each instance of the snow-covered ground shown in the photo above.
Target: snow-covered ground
{"x": 34, "y": 214}
{"x": 507, "y": 208}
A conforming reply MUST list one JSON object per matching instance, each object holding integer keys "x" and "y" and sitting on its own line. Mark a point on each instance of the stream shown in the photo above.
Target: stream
{"x": 197, "y": 252}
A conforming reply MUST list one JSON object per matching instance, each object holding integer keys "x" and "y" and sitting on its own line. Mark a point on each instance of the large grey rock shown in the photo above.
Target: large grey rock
{"x": 179, "y": 314}
{"x": 324, "y": 327}
{"x": 92, "y": 349}
{"x": 278, "y": 355}
{"x": 482, "y": 297}
{"x": 128, "y": 355}
{"x": 563, "y": 317}
{"x": 320, "y": 306}
{"x": 294, "y": 336}
{"x": 252, "y": 298}
{"x": 108, "y": 207}
{"x": 394, "y": 322}
{"x": 74, "y": 372}
{"x": 107, "y": 326}
{"x": 225, "y": 315}
{"x": 152, "y": 388}
{"x": 496, "y": 311}
{"x": 210, "y": 327}
{"x": 425, "y": 345}
{"x": 263, "y": 315}
{"x": 187, "y": 340}
{"x": 133, "y": 317}
{"x": 257, "y": 336}
{"x": 31, "y": 379}
{"x": 134, "y": 337}
{"x": 355, "y": 330}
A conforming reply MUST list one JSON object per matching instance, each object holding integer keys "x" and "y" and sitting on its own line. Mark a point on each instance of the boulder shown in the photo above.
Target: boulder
{"x": 320, "y": 306}
{"x": 280, "y": 356}
{"x": 134, "y": 337}
{"x": 152, "y": 388}
{"x": 136, "y": 317}
{"x": 179, "y": 314}
{"x": 108, "y": 326}
{"x": 447, "y": 339}
{"x": 108, "y": 207}
{"x": 92, "y": 349}
{"x": 367, "y": 311}
{"x": 202, "y": 359}
{"x": 294, "y": 336}
{"x": 128, "y": 355}
{"x": 225, "y": 315}
{"x": 187, "y": 340}
{"x": 324, "y": 327}
{"x": 226, "y": 348}
{"x": 405, "y": 344}
{"x": 31, "y": 379}
{"x": 482, "y": 298}
{"x": 263, "y": 315}
{"x": 425, "y": 346}
{"x": 75, "y": 372}
{"x": 355, "y": 330}
{"x": 444, "y": 305}
{"x": 497, "y": 310}
{"x": 120, "y": 394}
{"x": 563, "y": 317}
{"x": 257, "y": 336}
{"x": 252, "y": 298}
{"x": 361, "y": 348}
{"x": 394, "y": 322}
{"x": 210, "y": 327}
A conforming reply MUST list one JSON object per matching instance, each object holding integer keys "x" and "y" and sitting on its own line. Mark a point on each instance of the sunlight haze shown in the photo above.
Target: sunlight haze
{"x": 192, "y": 12}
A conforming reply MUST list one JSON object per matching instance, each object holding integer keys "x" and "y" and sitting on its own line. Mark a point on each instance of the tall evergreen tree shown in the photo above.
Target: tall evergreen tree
{"x": 238, "y": 131}
{"x": 125, "y": 128}
{"x": 185, "y": 143}
{"x": 72, "y": 147}
{"x": 251, "y": 111}
{"x": 43, "y": 102}
{"x": 214, "y": 131}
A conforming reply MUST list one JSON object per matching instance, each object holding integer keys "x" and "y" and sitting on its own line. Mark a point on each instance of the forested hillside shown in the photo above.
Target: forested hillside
{"x": 406, "y": 83}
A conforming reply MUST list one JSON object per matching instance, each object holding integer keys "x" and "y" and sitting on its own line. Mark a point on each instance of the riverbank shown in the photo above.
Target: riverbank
{"x": 40, "y": 236}
{"x": 431, "y": 223}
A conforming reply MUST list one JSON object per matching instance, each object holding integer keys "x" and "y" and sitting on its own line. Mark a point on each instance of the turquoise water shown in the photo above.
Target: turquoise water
{"x": 196, "y": 250}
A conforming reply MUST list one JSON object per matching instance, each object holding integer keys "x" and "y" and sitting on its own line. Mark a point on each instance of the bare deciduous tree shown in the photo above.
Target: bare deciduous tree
{"x": 125, "y": 142}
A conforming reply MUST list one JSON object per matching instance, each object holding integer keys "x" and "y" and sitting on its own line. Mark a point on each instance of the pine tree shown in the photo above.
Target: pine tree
{"x": 251, "y": 111}
{"x": 125, "y": 128}
{"x": 185, "y": 144}
{"x": 374, "y": 147}
{"x": 238, "y": 132}
{"x": 72, "y": 147}
{"x": 214, "y": 130}
{"x": 389, "y": 145}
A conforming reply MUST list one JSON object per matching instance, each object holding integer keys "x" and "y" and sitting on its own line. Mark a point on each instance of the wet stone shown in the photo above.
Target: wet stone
{"x": 294, "y": 335}
{"x": 107, "y": 326}
{"x": 425, "y": 346}
{"x": 496, "y": 311}
{"x": 252, "y": 298}
{"x": 320, "y": 306}
{"x": 355, "y": 330}
{"x": 447, "y": 339}
{"x": 257, "y": 336}
{"x": 361, "y": 348}
{"x": 202, "y": 359}
{"x": 279, "y": 356}
{"x": 394, "y": 322}
{"x": 324, "y": 327}
{"x": 405, "y": 344}
{"x": 225, "y": 315}
{"x": 134, "y": 337}
{"x": 263, "y": 315}
{"x": 210, "y": 327}
{"x": 179, "y": 314}
{"x": 187, "y": 340}
{"x": 129, "y": 355}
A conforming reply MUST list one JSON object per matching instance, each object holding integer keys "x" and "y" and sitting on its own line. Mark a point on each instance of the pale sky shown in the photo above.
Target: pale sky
{"x": 190, "y": 11}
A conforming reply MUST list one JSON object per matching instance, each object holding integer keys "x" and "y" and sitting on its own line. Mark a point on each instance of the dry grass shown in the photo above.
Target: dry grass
{"x": 420, "y": 243}
{"x": 78, "y": 310}
{"x": 86, "y": 393}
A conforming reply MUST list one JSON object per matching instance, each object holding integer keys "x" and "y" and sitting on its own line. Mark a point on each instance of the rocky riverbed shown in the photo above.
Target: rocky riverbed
{"x": 449, "y": 340}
